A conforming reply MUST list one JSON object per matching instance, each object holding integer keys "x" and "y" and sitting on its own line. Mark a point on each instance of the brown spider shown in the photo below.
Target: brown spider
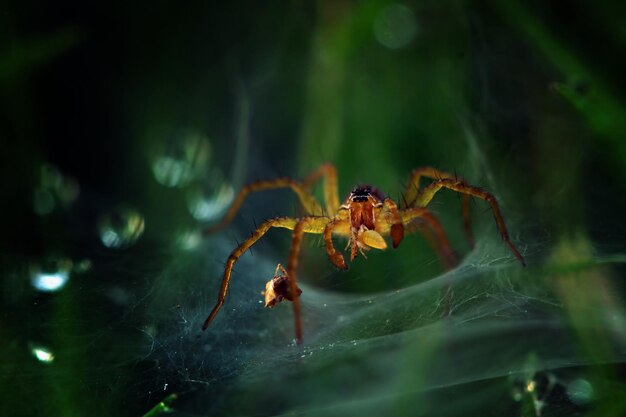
{"x": 364, "y": 218}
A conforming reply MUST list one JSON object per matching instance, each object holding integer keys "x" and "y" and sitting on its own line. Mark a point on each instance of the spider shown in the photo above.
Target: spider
{"x": 364, "y": 218}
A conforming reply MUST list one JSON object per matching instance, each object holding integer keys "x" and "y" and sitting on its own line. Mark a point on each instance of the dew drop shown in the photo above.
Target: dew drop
{"x": 42, "y": 354}
{"x": 395, "y": 26}
{"x": 183, "y": 155}
{"x": 51, "y": 275}
{"x": 121, "y": 227}
{"x": 209, "y": 200}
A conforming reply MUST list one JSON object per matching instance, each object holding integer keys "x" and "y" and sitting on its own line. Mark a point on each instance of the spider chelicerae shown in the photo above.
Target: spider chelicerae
{"x": 365, "y": 218}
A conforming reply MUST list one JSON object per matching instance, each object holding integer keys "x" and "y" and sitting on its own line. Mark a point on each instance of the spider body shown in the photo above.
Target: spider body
{"x": 366, "y": 217}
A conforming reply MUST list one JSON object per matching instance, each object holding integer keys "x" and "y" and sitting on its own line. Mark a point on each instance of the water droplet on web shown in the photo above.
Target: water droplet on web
{"x": 121, "y": 227}
{"x": 395, "y": 26}
{"x": 181, "y": 156}
{"x": 209, "y": 199}
{"x": 42, "y": 353}
{"x": 51, "y": 274}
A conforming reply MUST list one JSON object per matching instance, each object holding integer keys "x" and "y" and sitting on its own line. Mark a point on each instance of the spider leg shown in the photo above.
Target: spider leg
{"x": 397, "y": 225}
{"x": 331, "y": 195}
{"x": 311, "y": 206}
{"x": 292, "y": 266}
{"x": 309, "y": 225}
{"x": 435, "y": 235}
{"x": 335, "y": 257}
{"x": 413, "y": 191}
{"x": 429, "y": 192}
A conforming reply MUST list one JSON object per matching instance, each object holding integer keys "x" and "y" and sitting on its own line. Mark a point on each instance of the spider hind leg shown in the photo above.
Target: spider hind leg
{"x": 462, "y": 187}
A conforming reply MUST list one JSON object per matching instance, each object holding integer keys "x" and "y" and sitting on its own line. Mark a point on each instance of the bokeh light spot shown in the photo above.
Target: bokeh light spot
{"x": 395, "y": 26}
{"x": 51, "y": 276}
{"x": 121, "y": 227}
{"x": 42, "y": 354}
{"x": 55, "y": 189}
{"x": 182, "y": 156}
{"x": 51, "y": 176}
{"x": 210, "y": 199}
{"x": 580, "y": 391}
{"x": 43, "y": 201}
{"x": 189, "y": 240}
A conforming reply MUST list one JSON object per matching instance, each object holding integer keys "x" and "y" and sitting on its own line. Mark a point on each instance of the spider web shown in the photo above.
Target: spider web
{"x": 487, "y": 329}
{"x": 398, "y": 345}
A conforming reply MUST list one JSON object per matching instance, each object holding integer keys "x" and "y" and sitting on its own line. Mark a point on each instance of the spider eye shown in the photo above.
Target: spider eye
{"x": 361, "y": 193}
{"x": 359, "y": 198}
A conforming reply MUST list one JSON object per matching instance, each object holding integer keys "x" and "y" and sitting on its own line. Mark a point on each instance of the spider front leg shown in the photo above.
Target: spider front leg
{"x": 429, "y": 192}
{"x": 310, "y": 204}
{"x": 335, "y": 257}
{"x": 309, "y": 225}
{"x": 331, "y": 194}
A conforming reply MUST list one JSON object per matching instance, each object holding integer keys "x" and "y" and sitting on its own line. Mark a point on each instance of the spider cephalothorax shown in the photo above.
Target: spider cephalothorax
{"x": 364, "y": 204}
{"x": 364, "y": 219}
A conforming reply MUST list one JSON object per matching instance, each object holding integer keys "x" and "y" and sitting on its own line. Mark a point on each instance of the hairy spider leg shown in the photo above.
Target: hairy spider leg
{"x": 430, "y": 190}
{"x": 310, "y": 224}
{"x": 440, "y": 241}
{"x": 292, "y": 266}
{"x": 331, "y": 193}
{"x": 340, "y": 224}
{"x": 413, "y": 191}
{"x": 397, "y": 225}
{"x": 311, "y": 206}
